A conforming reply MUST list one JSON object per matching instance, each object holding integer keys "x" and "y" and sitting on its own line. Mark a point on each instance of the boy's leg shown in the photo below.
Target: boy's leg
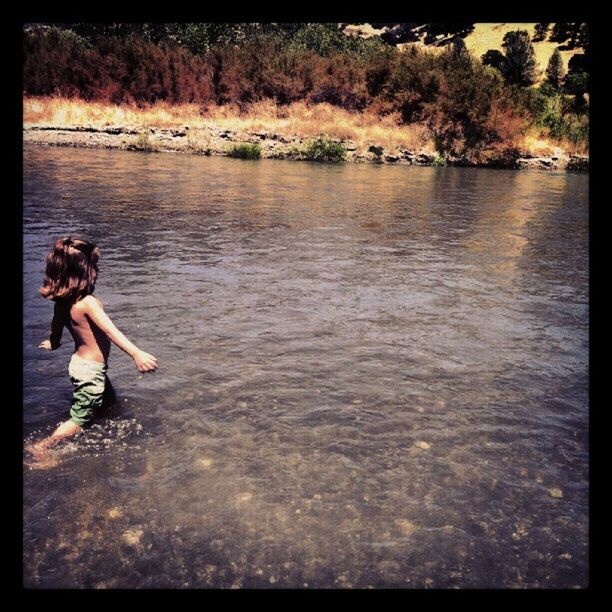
{"x": 65, "y": 430}
{"x": 88, "y": 392}
{"x": 109, "y": 398}
{"x": 41, "y": 451}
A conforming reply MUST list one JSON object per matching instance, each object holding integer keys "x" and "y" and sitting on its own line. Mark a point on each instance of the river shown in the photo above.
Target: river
{"x": 369, "y": 376}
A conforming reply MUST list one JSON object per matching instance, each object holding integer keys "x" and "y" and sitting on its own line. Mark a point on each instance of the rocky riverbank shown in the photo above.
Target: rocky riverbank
{"x": 209, "y": 140}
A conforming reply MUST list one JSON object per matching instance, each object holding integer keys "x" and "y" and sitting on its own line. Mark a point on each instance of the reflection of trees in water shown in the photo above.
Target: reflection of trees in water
{"x": 510, "y": 213}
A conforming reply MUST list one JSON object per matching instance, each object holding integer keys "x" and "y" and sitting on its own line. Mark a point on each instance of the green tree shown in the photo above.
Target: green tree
{"x": 576, "y": 82}
{"x": 494, "y": 58}
{"x": 454, "y": 30}
{"x": 520, "y": 67}
{"x": 541, "y": 31}
{"x": 583, "y": 39}
{"x": 396, "y": 33}
{"x": 555, "y": 71}
{"x": 322, "y": 38}
{"x": 569, "y": 33}
{"x": 458, "y": 51}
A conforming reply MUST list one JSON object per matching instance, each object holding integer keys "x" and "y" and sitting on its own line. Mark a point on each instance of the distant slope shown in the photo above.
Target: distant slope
{"x": 485, "y": 36}
{"x": 490, "y": 36}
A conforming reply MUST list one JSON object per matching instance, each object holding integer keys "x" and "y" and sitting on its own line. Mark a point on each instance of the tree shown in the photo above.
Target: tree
{"x": 583, "y": 39}
{"x": 570, "y": 32}
{"x": 446, "y": 30}
{"x": 495, "y": 59}
{"x": 458, "y": 50}
{"x": 322, "y": 38}
{"x": 520, "y": 66}
{"x": 579, "y": 63}
{"x": 577, "y": 83}
{"x": 555, "y": 70}
{"x": 457, "y": 54}
{"x": 396, "y": 33}
{"x": 577, "y": 80}
{"x": 540, "y": 32}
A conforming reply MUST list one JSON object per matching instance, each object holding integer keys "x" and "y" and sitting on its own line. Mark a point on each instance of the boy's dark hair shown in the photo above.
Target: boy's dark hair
{"x": 72, "y": 269}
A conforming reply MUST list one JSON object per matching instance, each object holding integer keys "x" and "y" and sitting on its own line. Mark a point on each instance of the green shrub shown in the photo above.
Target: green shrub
{"x": 294, "y": 153}
{"x": 325, "y": 151}
{"x": 245, "y": 150}
{"x": 562, "y": 124}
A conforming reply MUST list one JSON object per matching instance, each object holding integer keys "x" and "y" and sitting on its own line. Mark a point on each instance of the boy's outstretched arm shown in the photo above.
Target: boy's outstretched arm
{"x": 95, "y": 312}
{"x": 57, "y": 327}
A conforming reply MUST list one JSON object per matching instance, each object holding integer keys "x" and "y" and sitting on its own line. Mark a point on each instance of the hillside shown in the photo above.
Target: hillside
{"x": 485, "y": 36}
{"x": 288, "y": 88}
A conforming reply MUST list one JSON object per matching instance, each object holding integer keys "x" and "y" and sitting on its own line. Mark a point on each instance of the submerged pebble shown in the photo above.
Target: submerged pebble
{"x": 132, "y": 536}
{"x": 422, "y": 444}
{"x": 406, "y": 527}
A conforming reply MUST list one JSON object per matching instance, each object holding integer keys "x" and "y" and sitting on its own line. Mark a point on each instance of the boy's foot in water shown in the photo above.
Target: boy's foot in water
{"x": 43, "y": 457}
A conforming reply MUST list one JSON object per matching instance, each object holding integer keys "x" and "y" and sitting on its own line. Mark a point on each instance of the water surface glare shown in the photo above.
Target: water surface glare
{"x": 369, "y": 375}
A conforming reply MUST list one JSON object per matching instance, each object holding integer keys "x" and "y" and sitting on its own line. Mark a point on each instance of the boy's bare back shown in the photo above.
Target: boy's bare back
{"x": 90, "y": 342}
{"x": 92, "y": 332}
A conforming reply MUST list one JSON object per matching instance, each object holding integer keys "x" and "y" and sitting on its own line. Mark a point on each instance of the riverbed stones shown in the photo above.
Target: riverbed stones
{"x": 405, "y": 526}
{"x": 114, "y": 513}
{"x": 542, "y": 163}
{"x": 425, "y": 158}
{"x": 578, "y": 162}
{"x": 276, "y": 146}
{"x": 132, "y": 536}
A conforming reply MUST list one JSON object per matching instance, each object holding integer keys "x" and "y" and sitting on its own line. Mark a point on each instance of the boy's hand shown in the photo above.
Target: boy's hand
{"x": 45, "y": 344}
{"x": 145, "y": 362}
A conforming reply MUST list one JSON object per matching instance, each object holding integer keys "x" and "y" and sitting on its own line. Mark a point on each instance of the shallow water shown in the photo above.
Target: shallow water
{"x": 370, "y": 376}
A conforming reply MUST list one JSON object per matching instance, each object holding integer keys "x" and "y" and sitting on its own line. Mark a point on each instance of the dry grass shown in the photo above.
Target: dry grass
{"x": 538, "y": 142}
{"x": 296, "y": 120}
{"x": 67, "y": 112}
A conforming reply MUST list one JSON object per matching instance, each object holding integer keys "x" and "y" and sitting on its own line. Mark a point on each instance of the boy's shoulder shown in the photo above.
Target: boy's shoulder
{"x": 86, "y": 303}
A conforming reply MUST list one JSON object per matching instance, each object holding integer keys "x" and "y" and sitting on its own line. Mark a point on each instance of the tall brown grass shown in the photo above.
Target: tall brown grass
{"x": 296, "y": 120}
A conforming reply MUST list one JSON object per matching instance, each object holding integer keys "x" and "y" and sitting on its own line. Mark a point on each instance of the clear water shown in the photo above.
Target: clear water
{"x": 370, "y": 376}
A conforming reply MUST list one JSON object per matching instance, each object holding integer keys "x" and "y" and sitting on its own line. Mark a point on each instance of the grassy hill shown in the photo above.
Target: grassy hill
{"x": 485, "y": 36}
{"x": 490, "y": 36}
